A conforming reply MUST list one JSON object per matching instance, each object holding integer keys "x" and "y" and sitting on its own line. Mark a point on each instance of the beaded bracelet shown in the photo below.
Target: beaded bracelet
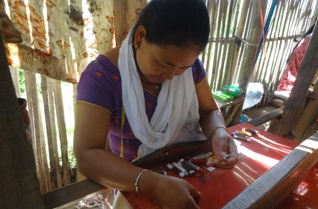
{"x": 137, "y": 180}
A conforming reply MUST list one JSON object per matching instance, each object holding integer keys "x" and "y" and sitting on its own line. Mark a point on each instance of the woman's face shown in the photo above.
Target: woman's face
{"x": 160, "y": 63}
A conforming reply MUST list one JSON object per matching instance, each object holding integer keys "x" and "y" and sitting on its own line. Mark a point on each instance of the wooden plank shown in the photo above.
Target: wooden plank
{"x": 266, "y": 117}
{"x": 223, "y": 105}
{"x": 70, "y": 193}
{"x": 274, "y": 186}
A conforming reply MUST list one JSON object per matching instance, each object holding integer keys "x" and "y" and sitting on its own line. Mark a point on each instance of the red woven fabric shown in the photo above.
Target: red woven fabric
{"x": 220, "y": 186}
{"x": 291, "y": 70}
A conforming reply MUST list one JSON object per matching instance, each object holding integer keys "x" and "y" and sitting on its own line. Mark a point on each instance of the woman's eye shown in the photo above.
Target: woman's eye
{"x": 163, "y": 66}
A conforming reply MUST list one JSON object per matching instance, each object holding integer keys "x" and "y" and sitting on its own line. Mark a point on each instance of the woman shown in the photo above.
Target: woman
{"x": 149, "y": 93}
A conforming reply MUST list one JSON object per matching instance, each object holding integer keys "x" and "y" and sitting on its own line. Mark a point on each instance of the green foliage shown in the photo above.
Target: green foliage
{"x": 22, "y": 85}
{"x": 71, "y": 158}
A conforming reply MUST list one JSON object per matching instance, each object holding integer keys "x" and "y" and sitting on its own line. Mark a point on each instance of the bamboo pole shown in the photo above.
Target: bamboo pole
{"x": 54, "y": 142}
{"x": 50, "y": 134}
{"x": 37, "y": 131}
{"x": 277, "y": 64}
{"x": 274, "y": 50}
{"x": 207, "y": 52}
{"x": 34, "y": 112}
{"x": 284, "y": 51}
{"x": 224, "y": 45}
{"x": 233, "y": 47}
{"x": 217, "y": 47}
{"x": 62, "y": 131}
{"x": 19, "y": 186}
{"x": 253, "y": 36}
{"x": 214, "y": 45}
{"x": 211, "y": 63}
{"x": 243, "y": 42}
{"x": 249, "y": 54}
{"x": 46, "y": 173}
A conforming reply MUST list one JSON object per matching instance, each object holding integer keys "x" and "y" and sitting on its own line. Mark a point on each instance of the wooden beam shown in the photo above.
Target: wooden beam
{"x": 10, "y": 33}
{"x": 71, "y": 193}
{"x": 274, "y": 186}
{"x": 298, "y": 97}
{"x": 308, "y": 116}
{"x": 266, "y": 117}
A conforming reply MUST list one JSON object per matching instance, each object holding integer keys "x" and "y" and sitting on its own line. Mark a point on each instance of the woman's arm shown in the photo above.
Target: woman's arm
{"x": 212, "y": 124}
{"x": 106, "y": 168}
{"x": 97, "y": 163}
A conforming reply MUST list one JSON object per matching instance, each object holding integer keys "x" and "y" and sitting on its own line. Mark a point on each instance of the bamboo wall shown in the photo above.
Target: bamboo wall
{"x": 48, "y": 127}
{"x": 231, "y": 28}
{"x": 235, "y": 25}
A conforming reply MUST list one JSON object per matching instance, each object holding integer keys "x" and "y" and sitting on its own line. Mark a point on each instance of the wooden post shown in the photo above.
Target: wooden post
{"x": 253, "y": 37}
{"x": 298, "y": 97}
{"x": 309, "y": 115}
{"x": 19, "y": 187}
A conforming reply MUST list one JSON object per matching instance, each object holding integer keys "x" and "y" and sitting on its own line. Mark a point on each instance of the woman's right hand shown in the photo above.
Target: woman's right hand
{"x": 172, "y": 192}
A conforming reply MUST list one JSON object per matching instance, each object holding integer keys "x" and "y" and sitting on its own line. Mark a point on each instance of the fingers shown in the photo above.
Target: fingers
{"x": 177, "y": 193}
{"x": 195, "y": 197}
{"x": 225, "y": 164}
{"x": 224, "y": 160}
{"x": 193, "y": 192}
{"x": 225, "y": 149}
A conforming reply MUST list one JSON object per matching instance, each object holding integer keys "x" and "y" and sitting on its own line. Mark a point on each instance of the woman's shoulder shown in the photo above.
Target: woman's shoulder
{"x": 100, "y": 83}
{"x": 104, "y": 64}
{"x": 112, "y": 55}
{"x": 198, "y": 71}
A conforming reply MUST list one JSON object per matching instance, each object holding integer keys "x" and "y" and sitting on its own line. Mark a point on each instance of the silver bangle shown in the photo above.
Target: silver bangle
{"x": 217, "y": 127}
{"x": 137, "y": 180}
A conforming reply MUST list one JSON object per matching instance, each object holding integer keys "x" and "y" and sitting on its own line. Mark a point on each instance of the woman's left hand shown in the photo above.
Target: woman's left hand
{"x": 224, "y": 148}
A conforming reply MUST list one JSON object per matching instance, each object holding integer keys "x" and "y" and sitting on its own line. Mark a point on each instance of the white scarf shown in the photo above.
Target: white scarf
{"x": 177, "y": 113}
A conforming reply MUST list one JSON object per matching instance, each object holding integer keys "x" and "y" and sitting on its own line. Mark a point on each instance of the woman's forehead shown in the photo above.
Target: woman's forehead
{"x": 175, "y": 56}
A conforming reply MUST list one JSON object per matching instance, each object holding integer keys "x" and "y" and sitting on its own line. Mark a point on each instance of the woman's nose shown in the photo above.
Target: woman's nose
{"x": 171, "y": 73}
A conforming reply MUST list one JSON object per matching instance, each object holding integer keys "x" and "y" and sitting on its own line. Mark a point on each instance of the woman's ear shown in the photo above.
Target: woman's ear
{"x": 139, "y": 36}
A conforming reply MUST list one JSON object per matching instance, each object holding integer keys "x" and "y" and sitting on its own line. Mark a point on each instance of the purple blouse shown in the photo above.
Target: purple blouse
{"x": 100, "y": 84}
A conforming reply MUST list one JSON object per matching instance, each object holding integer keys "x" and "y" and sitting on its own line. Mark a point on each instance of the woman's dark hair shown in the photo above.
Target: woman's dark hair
{"x": 180, "y": 23}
